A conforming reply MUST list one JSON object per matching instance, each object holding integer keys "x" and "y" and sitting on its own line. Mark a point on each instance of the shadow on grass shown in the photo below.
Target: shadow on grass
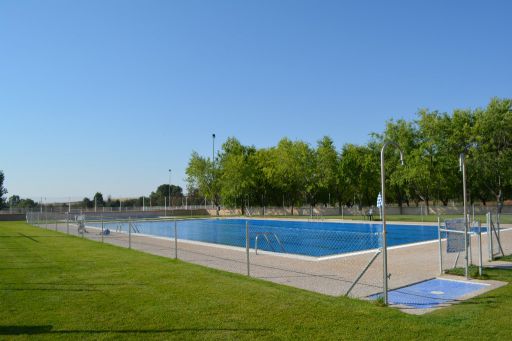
{"x": 45, "y": 289}
{"x": 48, "y": 329}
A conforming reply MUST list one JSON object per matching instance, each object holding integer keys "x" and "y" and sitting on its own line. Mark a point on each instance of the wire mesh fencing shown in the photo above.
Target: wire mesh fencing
{"x": 452, "y": 241}
{"x": 500, "y": 235}
{"x": 300, "y": 254}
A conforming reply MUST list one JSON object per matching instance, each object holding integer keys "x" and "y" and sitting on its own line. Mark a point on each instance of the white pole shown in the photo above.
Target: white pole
{"x": 247, "y": 247}
{"x": 169, "y": 188}
{"x": 462, "y": 161}
{"x": 385, "y": 275}
{"x": 440, "y": 245}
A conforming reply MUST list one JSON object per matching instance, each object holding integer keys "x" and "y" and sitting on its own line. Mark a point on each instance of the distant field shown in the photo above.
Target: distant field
{"x": 55, "y": 286}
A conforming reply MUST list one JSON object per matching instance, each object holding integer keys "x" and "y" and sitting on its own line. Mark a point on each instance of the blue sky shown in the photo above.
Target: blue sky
{"x": 108, "y": 95}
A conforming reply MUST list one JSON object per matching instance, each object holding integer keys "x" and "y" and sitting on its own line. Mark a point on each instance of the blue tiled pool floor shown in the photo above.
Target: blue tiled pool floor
{"x": 431, "y": 293}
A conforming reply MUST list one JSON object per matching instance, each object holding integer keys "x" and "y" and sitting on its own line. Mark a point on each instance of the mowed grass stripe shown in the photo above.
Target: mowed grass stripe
{"x": 66, "y": 287}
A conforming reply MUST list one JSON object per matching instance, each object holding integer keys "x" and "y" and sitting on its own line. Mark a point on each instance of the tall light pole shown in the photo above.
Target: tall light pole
{"x": 213, "y": 149}
{"x": 384, "y": 232}
{"x": 213, "y": 162}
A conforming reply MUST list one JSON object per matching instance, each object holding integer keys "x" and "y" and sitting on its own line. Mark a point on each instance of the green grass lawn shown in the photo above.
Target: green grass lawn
{"x": 58, "y": 286}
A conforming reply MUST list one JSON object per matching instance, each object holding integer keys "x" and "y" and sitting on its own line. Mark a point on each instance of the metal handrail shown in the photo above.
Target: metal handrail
{"x": 265, "y": 235}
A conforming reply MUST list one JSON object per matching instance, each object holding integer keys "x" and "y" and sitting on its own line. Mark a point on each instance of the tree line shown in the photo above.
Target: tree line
{"x": 160, "y": 197}
{"x": 295, "y": 173}
{"x": 164, "y": 195}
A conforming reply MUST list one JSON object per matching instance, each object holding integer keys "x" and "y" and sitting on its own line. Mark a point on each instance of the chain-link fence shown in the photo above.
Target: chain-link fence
{"x": 300, "y": 254}
{"x": 489, "y": 238}
{"x": 500, "y": 235}
{"x": 331, "y": 258}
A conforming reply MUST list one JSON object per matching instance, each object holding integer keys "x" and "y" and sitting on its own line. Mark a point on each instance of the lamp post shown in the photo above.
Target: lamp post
{"x": 384, "y": 237}
{"x": 213, "y": 149}
{"x": 213, "y": 162}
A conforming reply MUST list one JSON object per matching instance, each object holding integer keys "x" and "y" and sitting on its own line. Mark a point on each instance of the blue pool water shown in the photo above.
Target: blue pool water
{"x": 304, "y": 238}
{"x": 431, "y": 293}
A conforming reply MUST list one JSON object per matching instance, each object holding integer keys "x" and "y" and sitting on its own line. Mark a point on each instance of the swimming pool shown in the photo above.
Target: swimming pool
{"x": 316, "y": 239}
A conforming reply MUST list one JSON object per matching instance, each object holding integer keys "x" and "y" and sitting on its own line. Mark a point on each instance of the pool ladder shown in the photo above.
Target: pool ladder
{"x": 133, "y": 226}
{"x": 266, "y": 235}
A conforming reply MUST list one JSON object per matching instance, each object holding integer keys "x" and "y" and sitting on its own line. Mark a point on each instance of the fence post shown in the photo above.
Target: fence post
{"x": 489, "y": 236}
{"x": 55, "y": 217}
{"x": 247, "y": 247}
{"x": 480, "y": 248}
{"x": 470, "y": 251}
{"x": 175, "y": 239}
{"x": 440, "y": 245}
{"x": 129, "y": 233}
{"x": 102, "y": 230}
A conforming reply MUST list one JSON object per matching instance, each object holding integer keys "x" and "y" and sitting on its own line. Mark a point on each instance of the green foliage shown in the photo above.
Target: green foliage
{"x": 98, "y": 199}
{"x": 87, "y": 203}
{"x": 3, "y": 190}
{"x": 239, "y": 176}
{"x": 294, "y": 173}
{"x": 202, "y": 174}
{"x": 16, "y": 202}
{"x": 161, "y": 196}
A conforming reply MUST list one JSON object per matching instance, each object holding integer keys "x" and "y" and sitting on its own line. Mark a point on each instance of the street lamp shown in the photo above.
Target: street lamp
{"x": 384, "y": 237}
{"x": 213, "y": 149}
{"x": 213, "y": 161}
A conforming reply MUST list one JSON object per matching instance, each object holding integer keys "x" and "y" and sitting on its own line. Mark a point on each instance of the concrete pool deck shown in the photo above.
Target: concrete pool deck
{"x": 407, "y": 264}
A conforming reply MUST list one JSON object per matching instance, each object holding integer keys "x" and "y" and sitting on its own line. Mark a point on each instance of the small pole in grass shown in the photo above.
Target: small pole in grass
{"x": 247, "y": 247}
{"x": 67, "y": 223}
{"x": 480, "y": 261}
{"x": 440, "y": 245}
{"x": 102, "y": 231}
{"x": 175, "y": 239}
{"x": 129, "y": 233}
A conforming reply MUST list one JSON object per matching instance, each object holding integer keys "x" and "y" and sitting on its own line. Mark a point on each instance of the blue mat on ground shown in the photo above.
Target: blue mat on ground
{"x": 431, "y": 293}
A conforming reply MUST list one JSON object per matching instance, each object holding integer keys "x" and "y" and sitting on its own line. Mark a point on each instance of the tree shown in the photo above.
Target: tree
{"x": 161, "y": 196}
{"x": 359, "y": 174}
{"x": 238, "y": 175}
{"x": 204, "y": 175}
{"x": 87, "y": 203}
{"x": 326, "y": 169}
{"x": 3, "y": 190}
{"x": 14, "y": 201}
{"x": 98, "y": 199}
{"x": 289, "y": 167}
{"x": 492, "y": 162}
{"x": 27, "y": 203}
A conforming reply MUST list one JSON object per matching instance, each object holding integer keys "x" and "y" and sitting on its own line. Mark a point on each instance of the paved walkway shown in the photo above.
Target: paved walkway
{"x": 406, "y": 264}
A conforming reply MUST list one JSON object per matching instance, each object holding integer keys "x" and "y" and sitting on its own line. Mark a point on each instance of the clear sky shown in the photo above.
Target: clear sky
{"x": 108, "y": 95}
